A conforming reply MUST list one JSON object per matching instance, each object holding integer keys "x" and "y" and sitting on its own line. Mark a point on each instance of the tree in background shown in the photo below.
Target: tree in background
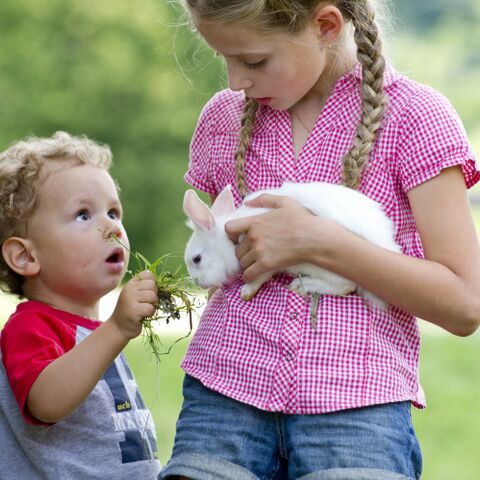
{"x": 107, "y": 69}
{"x": 130, "y": 75}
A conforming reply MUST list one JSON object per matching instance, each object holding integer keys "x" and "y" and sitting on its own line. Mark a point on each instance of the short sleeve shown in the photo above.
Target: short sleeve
{"x": 29, "y": 343}
{"x": 199, "y": 169}
{"x": 433, "y": 138}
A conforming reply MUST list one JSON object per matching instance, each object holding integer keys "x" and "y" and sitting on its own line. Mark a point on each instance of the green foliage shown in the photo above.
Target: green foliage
{"x": 427, "y": 14}
{"x": 448, "y": 428}
{"x": 107, "y": 69}
{"x": 174, "y": 299}
{"x": 133, "y": 75}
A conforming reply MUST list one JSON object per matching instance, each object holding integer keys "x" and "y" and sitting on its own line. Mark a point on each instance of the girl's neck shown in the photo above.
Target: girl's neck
{"x": 304, "y": 114}
{"x": 308, "y": 109}
{"x": 337, "y": 66}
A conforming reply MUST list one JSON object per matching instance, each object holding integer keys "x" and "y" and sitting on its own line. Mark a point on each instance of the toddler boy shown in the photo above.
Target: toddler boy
{"x": 69, "y": 405}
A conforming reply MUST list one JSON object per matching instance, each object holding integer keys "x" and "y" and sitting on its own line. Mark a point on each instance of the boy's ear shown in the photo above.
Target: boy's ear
{"x": 329, "y": 23}
{"x": 17, "y": 253}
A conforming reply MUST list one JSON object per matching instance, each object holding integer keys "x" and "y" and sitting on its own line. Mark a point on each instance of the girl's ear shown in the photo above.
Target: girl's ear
{"x": 329, "y": 22}
{"x": 17, "y": 253}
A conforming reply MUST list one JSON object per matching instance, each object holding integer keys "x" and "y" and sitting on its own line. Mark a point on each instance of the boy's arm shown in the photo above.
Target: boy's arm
{"x": 66, "y": 382}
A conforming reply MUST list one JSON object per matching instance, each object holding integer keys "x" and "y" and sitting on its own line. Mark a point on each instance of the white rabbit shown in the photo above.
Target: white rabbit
{"x": 210, "y": 254}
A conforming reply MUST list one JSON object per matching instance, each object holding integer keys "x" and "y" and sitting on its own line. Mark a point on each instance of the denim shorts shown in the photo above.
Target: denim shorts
{"x": 222, "y": 439}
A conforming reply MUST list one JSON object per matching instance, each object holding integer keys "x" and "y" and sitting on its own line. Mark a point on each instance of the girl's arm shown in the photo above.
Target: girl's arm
{"x": 66, "y": 382}
{"x": 443, "y": 289}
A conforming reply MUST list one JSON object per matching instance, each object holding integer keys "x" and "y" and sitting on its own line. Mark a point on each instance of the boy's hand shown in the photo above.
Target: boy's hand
{"x": 137, "y": 300}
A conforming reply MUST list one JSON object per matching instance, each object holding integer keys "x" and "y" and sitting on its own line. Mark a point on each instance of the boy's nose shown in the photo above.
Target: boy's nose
{"x": 112, "y": 229}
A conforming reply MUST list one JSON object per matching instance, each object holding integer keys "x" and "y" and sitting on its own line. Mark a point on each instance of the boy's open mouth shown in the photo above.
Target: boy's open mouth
{"x": 116, "y": 256}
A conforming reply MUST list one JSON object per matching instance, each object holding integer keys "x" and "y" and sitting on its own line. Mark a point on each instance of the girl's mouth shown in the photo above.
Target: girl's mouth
{"x": 263, "y": 100}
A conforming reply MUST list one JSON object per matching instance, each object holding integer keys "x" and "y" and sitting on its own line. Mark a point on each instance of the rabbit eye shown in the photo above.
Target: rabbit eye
{"x": 196, "y": 259}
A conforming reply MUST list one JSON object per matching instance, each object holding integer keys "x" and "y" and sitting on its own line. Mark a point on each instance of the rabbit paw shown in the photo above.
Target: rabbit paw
{"x": 308, "y": 286}
{"x": 249, "y": 291}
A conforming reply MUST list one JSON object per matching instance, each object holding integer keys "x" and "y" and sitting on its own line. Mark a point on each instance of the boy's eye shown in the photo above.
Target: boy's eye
{"x": 114, "y": 214}
{"x": 82, "y": 215}
{"x": 252, "y": 66}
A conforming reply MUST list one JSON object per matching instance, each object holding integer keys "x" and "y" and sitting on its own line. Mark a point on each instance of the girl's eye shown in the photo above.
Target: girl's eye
{"x": 82, "y": 216}
{"x": 253, "y": 66}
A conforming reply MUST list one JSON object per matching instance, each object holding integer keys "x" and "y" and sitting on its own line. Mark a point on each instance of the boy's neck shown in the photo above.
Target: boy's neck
{"x": 80, "y": 310}
{"x": 88, "y": 309}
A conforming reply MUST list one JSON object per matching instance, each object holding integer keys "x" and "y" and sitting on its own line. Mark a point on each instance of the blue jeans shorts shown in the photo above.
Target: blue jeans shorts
{"x": 222, "y": 439}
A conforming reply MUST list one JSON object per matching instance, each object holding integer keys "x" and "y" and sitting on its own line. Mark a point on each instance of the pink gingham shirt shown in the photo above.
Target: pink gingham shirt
{"x": 264, "y": 352}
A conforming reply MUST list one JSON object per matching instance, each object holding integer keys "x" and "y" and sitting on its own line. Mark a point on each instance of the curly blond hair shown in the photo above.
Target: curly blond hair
{"x": 292, "y": 16}
{"x": 23, "y": 168}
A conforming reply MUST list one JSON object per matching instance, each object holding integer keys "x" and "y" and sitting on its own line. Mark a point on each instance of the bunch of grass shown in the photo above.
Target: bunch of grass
{"x": 174, "y": 299}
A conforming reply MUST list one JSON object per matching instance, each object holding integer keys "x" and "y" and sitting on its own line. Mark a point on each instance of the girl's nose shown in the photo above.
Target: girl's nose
{"x": 238, "y": 79}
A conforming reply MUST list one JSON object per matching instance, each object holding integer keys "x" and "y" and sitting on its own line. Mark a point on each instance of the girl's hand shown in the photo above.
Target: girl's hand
{"x": 277, "y": 239}
{"x": 137, "y": 300}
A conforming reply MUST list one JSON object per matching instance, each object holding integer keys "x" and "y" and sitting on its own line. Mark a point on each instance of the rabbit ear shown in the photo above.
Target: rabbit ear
{"x": 224, "y": 204}
{"x": 198, "y": 211}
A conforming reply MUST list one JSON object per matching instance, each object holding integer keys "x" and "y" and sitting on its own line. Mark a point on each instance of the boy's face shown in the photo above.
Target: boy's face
{"x": 70, "y": 234}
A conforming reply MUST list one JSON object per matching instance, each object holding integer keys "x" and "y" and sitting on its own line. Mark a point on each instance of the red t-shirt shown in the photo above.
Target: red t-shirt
{"x": 34, "y": 336}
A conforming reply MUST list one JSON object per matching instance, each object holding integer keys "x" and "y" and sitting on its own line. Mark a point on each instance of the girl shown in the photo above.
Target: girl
{"x": 311, "y": 98}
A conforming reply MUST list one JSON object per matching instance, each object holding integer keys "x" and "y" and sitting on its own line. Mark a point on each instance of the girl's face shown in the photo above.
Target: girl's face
{"x": 78, "y": 209}
{"x": 276, "y": 70}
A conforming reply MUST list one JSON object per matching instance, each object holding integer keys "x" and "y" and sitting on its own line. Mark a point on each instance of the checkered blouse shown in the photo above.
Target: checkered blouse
{"x": 265, "y": 352}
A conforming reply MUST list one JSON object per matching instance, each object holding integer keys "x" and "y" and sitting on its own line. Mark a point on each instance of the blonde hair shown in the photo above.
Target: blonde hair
{"x": 292, "y": 16}
{"x": 23, "y": 168}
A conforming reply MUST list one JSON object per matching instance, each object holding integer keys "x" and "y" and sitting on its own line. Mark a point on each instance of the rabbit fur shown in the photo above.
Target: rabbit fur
{"x": 210, "y": 254}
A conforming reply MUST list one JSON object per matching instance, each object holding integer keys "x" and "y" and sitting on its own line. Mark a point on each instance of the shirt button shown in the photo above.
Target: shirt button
{"x": 293, "y": 315}
{"x": 288, "y": 356}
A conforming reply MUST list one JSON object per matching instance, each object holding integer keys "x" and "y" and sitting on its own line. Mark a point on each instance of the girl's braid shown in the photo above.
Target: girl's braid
{"x": 247, "y": 123}
{"x": 369, "y": 53}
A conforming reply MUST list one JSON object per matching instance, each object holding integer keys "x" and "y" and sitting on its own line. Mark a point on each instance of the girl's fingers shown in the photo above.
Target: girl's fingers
{"x": 242, "y": 248}
{"x": 252, "y": 272}
{"x": 247, "y": 260}
{"x": 235, "y": 228}
{"x": 241, "y": 226}
{"x": 267, "y": 201}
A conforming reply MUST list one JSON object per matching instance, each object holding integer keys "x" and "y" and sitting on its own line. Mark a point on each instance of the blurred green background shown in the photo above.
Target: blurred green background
{"x": 130, "y": 75}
